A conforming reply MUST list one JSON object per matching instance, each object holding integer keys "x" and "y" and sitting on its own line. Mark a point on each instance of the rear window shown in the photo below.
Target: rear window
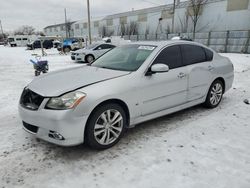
{"x": 193, "y": 54}
{"x": 209, "y": 54}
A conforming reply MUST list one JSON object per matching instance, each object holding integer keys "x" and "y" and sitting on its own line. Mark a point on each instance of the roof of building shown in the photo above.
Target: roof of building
{"x": 153, "y": 9}
{"x": 56, "y": 25}
{"x": 136, "y": 12}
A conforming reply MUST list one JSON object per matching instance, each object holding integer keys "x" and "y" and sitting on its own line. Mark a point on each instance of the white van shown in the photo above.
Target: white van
{"x": 19, "y": 40}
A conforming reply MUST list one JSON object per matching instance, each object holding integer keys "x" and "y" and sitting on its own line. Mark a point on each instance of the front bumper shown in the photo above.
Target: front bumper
{"x": 77, "y": 57}
{"x": 63, "y": 122}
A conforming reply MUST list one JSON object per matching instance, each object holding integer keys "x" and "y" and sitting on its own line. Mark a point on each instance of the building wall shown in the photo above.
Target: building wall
{"x": 217, "y": 15}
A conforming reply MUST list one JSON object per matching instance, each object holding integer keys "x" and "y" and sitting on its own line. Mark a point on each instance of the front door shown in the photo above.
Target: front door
{"x": 162, "y": 91}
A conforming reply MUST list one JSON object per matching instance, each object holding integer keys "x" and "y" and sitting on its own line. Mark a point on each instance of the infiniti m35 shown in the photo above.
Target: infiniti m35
{"x": 128, "y": 85}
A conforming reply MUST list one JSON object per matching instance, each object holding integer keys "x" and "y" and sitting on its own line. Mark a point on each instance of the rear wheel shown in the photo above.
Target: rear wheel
{"x": 105, "y": 126}
{"x": 215, "y": 94}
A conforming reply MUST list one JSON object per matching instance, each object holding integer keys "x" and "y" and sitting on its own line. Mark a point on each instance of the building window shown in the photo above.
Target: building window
{"x": 85, "y": 25}
{"x": 50, "y": 29}
{"x": 142, "y": 17}
{"x": 166, "y": 14}
{"x": 96, "y": 24}
{"x": 123, "y": 20}
{"x": 55, "y": 29}
{"x": 109, "y": 22}
{"x": 62, "y": 27}
{"x": 233, "y": 5}
{"x": 77, "y": 26}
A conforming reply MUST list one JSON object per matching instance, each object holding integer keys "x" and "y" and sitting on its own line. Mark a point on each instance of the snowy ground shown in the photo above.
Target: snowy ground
{"x": 196, "y": 148}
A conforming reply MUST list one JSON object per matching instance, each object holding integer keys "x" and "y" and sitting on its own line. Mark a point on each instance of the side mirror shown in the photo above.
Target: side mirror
{"x": 159, "y": 68}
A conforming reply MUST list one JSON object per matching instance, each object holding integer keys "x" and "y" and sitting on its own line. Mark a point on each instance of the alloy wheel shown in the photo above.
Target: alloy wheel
{"x": 108, "y": 127}
{"x": 216, "y": 94}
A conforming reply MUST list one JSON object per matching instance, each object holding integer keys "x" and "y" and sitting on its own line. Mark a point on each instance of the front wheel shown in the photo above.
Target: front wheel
{"x": 105, "y": 126}
{"x": 215, "y": 94}
{"x": 89, "y": 59}
{"x": 66, "y": 50}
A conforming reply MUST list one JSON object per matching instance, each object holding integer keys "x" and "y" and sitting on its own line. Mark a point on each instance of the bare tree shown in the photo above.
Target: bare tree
{"x": 194, "y": 11}
{"x": 103, "y": 31}
{"x": 183, "y": 23}
{"x": 25, "y": 30}
{"x": 122, "y": 29}
{"x": 132, "y": 28}
{"x": 68, "y": 25}
{"x": 40, "y": 33}
{"x": 3, "y": 36}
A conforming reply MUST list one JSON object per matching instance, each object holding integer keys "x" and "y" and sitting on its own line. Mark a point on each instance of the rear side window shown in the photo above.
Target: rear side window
{"x": 209, "y": 54}
{"x": 170, "y": 56}
{"x": 106, "y": 46}
{"x": 192, "y": 54}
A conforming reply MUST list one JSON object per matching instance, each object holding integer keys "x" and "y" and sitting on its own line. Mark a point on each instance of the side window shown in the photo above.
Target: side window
{"x": 100, "y": 47}
{"x": 107, "y": 46}
{"x": 209, "y": 54}
{"x": 192, "y": 54}
{"x": 170, "y": 56}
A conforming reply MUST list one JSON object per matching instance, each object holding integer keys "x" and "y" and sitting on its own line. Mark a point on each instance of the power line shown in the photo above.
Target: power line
{"x": 151, "y": 2}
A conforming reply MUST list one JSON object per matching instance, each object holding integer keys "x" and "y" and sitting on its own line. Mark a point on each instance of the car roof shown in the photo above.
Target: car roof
{"x": 166, "y": 42}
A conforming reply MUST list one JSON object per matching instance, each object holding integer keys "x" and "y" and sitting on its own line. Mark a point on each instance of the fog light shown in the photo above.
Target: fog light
{"x": 56, "y": 135}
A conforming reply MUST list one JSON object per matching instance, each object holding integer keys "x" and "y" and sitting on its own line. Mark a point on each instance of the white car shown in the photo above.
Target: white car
{"x": 126, "y": 86}
{"x": 91, "y": 52}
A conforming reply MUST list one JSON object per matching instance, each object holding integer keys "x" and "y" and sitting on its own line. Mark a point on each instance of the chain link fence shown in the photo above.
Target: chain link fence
{"x": 220, "y": 41}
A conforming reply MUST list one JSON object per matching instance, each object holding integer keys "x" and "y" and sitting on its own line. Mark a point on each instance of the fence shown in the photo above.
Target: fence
{"x": 220, "y": 41}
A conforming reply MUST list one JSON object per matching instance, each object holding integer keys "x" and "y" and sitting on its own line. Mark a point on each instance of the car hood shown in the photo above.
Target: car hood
{"x": 59, "y": 82}
{"x": 86, "y": 51}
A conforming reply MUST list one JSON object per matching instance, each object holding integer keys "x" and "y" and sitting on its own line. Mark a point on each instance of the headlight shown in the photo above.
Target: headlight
{"x": 67, "y": 101}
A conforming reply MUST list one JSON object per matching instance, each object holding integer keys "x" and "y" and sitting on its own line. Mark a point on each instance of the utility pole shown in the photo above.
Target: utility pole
{"x": 173, "y": 16}
{"x": 66, "y": 24}
{"x": 1, "y": 28}
{"x": 89, "y": 25}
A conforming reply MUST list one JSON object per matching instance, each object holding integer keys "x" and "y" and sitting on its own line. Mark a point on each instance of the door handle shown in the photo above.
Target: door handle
{"x": 181, "y": 75}
{"x": 210, "y": 68}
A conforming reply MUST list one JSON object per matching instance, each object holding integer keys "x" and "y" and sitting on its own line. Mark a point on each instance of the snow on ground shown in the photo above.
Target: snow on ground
{"x": 193, "y": 148}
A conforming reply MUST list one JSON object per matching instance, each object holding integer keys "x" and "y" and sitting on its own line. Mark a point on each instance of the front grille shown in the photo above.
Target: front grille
{"x": 30, "y": 99}
{"x": 29, "y": 127}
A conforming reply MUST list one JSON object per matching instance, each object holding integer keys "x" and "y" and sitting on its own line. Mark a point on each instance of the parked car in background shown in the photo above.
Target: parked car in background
{"x": 126, "y": 86}
{"x": 47, "y": 44}
{"x": 71, "y": 44}
{"x": 91, "y": 52}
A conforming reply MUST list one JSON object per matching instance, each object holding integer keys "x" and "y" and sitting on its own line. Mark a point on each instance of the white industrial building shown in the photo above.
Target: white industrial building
{"x": 217, "y": 15}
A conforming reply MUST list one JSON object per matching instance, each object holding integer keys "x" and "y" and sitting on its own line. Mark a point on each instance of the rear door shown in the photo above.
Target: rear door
{"x": 161, "y": 91}
{"x": 200, "y": 68}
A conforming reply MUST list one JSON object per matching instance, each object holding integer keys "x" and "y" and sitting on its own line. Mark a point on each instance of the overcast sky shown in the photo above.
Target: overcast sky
{"x": 40, "y": 13}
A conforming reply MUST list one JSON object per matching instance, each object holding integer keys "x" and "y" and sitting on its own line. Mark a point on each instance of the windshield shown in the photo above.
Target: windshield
{"x": 125, "y": 58}
{"x": 11, "y": 39}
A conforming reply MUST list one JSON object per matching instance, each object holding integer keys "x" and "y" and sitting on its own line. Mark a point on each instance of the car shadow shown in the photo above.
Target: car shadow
{"x": 138, "y": 134}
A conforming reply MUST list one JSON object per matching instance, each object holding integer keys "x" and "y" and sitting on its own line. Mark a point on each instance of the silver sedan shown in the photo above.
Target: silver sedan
{"x": 126, "y": 86}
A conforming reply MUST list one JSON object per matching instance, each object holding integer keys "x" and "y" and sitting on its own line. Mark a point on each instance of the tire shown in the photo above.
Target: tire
{"x": 66, "y": 50}
{"x": 37, "y": 73}
{"x": 215, "y": 94}
{"x": 89, "y": 58}
{"x": 99, "y": 132}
